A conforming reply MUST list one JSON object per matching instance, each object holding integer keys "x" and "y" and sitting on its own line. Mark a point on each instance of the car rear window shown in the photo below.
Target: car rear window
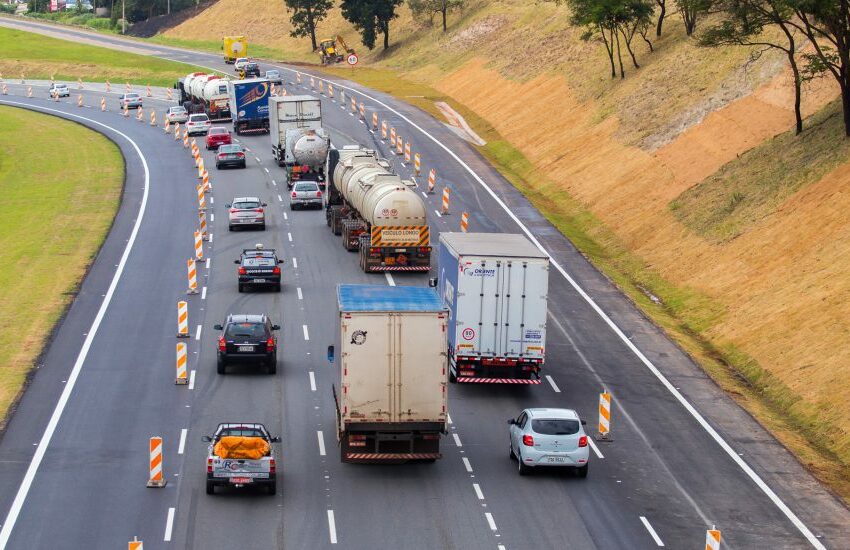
{"x": 555, "y": 426}
{"x": 306, "y": 187}
{"x": 245, "y": 330}
{"x": 246, "y": 205}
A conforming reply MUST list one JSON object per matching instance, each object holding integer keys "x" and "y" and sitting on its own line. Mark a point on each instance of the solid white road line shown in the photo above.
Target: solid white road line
{"x": 457, "y": 440}
{"x": 466, "y": 464}
{"x": 552, "y": 383}
{"x": 594, "y": 447}
{"x": 300, "y": 296}
{"x": 332, "y": 526}
{"x": 44, "y": 442}
{"x": 198, "y": 333}
{"x": 204, "y": 293}
{"x": 306, "y": 334}
{"x": 289, "y": 236}
{"x": 390, "y": 280}
{"x": 295, "y": 262}
{"x": 192, "y": 380}
{"x": 652, "y": 532}
{"x": 478, "y": 492}
{"x": 312, "y": 381}
{"x": 182, "y": 446}
{"x": 169, "y": 525}
{"x": 490, "y": 521}
{"x": 321, "y": 443}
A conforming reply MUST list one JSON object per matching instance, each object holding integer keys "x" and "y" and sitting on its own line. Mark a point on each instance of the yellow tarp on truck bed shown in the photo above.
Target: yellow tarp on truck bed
{"x": 245, "y": 448}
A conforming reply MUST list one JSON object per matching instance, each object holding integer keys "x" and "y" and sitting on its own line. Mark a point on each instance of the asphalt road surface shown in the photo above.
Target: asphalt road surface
{"x": 684, "y": 457}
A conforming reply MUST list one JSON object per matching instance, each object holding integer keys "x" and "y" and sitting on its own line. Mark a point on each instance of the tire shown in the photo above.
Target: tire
{"x": 221, "y": 366}
{"x": 522, "y": 468}
{"x": 582, "y": 472}
{"x": 210, "y": 488}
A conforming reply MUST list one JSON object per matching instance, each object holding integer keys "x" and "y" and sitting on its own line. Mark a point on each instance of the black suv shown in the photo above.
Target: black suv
{"x": 247, "y": 339}
{"x": 259, "y": 266}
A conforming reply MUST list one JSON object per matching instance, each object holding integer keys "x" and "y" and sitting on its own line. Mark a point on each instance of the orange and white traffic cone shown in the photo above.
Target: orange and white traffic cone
{"x": 445, "y": 208}
{"x": 156, "y": 479}
{"x": 135, "y": 544}
{"x": 407, "y": 151}
{"x": 712, "y": 539}
{"x": 79, "y": 100}
{"x": 399, "y": 145}
{"x": 604, "y": 417}
{"x": 199, "y": 246}
{"x": 182, "y": 320}
{"x": 464, "y": 222}
{"x": 148, "y": 92}
{"x": 202, "y": 199}
{"x": 374, "y": 121}
{"x": 384, "y": 129}
{"x": 417, "y": 165}
{"x": 182, "y": 360}
{"x": 193, "y": 277}
{"x": 202, "y": 224}
{"x": 432, "y": 181}
{"x": 330, "y": 90}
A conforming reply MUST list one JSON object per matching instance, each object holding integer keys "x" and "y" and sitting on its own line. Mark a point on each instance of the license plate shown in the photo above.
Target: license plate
{"x": 246, "y": 348}
{"x": 557, "y": 459}
{"x": 259, "y": 280}
{"x": 241, "y": 480}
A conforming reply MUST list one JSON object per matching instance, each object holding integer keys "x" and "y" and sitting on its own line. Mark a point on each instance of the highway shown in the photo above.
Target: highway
{"x": 684, "y": 456}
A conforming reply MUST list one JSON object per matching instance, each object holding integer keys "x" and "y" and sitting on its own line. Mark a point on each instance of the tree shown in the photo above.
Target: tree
{"x": 306, "y": 14}
{"x": 433, "y": 7}
{"x": 743, "y": 24}
{"x": 691, "y": 11}
{"x": 371, "y": 17}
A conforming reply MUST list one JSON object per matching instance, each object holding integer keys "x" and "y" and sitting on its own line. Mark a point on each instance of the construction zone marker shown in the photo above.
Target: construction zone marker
{"x": 155, "y": 478}
{"x": 192, "y": 275}
{"x": 182, "y": 359}
{"x": 199, "y": 246}
{"x": 464, "y": 222}
{"x": 604, "y": 417}
{"x": 182, "y": 320}
{"x": 712, "y": 539}
{"x": 444, "y": 210}
{"x": 432, "y": 181}
{"x": 417, "y": 164}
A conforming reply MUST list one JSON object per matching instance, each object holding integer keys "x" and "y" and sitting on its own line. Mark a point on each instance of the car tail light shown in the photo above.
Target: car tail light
{"x": 528, "y": 441}
{"x": 260, "y": 210}
{"x": 222, "y": 345}
{"x": 294, "y": 194}
{"x": 270, "y": 345}
{"x": 276, "y": 270}
{"x": 319, "y": 194}
{"x": 209, "y": 465}
{"x": 272, "y": 466}
{"x": 582, "y": 441}
{"x": 242, "y": 271}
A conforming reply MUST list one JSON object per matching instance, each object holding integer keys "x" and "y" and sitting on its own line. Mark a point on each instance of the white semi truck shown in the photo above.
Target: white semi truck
{"x": 391, "y": 400}
{"x": 299, "y": 143}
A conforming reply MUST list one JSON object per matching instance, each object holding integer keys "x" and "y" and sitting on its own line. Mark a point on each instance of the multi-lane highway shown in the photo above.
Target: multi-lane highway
{"x": 74, "y": 454}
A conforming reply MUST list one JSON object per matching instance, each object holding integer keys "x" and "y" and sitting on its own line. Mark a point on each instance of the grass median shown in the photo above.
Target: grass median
{"x": 61, "y": 184}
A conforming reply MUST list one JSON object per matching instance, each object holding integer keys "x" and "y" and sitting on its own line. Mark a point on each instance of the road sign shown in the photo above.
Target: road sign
{"x": 352, "y": 59}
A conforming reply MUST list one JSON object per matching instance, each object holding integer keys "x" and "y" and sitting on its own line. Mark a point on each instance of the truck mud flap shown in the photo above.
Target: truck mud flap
{"x": 468, "y": 380}
{"x": 391, "y": 456}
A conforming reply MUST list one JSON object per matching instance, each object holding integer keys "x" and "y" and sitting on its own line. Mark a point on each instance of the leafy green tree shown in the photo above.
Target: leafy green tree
{"x": 371, "y": 17}
{"x": 434, "y": 7}
{"x": 306, "y": 14}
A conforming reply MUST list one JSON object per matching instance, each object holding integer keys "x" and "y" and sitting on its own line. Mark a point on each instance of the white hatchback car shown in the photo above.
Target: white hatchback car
{"x": 549, "y": 437}
{"x": 198, "y": 124}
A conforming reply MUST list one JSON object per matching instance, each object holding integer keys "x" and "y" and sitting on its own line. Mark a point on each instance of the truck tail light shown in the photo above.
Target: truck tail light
{"x": 528, "y": 441}
{"x": 209, "y": 465}
{"x": 242, "y": 271}
{"x": 276, "y": 270}
{"x": 582, "y": 441}
{"x": 270, "y": 344}
{"x": 222, "y": 345}
{"x": 272, "y": 466}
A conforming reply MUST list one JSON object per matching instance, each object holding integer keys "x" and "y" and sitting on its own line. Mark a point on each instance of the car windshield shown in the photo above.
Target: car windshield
{"x": 246, "y": 205}
{"x": 218, "y": 131}
{"x": 245, "y": 330}
{"x": 306, "y": 187}
{"x": 555, "y": 426}
{"x": 230, "y": 149}
{"x": 198, "y": 118}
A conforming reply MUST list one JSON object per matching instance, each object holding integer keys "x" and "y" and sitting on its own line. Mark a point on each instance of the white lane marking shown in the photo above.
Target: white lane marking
{"x": 192, "y": 380}
{"x": 312, "y": 381}
{"x": 204, "y": 293}
{"x": 449, "y": 418}
{"x": 321, "y": 437}
{"x": 552, "y": 383}
{"x": 295, "y": 262}
{"x": 490, "y": 521}
{"x": 208, "y": 262}
{"x": 478, "y": 492}
{"x": 332, "y": 526}
{"x": 457, "y": 440}
{"x": 466, "y": 464}
{"x": 652, "y": 532}
{"x": 289, "y": 236}
{"x": 198, "y": 333}
{"x": 281, "y": 200}
{"x": 182, "y": 446}
{"x": 169, "y": 525}
{"x": 266, "y": 169}
{"x": 298, "y": 290}
{"x": 44, "y": 442}
{"x": 438, "y": 214}
{"x": 306, "y": 334}
{"x": 594, "y": 447}
{"x": 212, "y": 217}
{"x": 285, "y": 217}
{"x": 390, "y": 280}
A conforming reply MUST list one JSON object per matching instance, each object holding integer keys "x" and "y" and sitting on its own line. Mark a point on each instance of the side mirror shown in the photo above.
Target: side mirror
{"x": 432, "y": 282}
{"x": 331, "y": 353}
{"x": 237, "y": 261}
{"x": 206, "y": 439}
{"x": 512, "y": 421}
{"x": 275, "y": 327}
{"x": 584, "y": 422}
{"x": 218, "y": 327}
{"x": 275, "y": 440}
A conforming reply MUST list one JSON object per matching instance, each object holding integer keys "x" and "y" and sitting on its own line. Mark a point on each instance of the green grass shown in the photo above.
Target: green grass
{"x": 40, "y": 57}
{"x": 751, "y": 187}
{"x": 56, "y": 211}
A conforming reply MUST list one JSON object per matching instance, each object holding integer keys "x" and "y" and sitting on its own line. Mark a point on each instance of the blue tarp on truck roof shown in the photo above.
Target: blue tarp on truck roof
{"x": 388, "y": 298}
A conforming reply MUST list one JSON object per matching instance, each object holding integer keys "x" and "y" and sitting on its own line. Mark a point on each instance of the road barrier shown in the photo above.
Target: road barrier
{"x": 192, "y": 274}
{"x": 108, "y": 86}
{"x": 353, "y": 105}
{"x": 392, "y": 138}
{"x": 182, "y": 360}
{"x": 29, "y": 91}
{"x": 445, "y": 208}
{"x": 399, "y": 145}
{"x": 417, "y": 164}
{"x": 464, "y": 222}
{"x": 156, "y": 479}
{"x": 140, "y": 114}
{"x": 384, "y": 129}
{"x": 79, "y": 100}
{"x": 176, "y": 131}
{"x": 362, "y": 111}
{"x": 202, "y": 200}
{"x": 182, "y": 320}
{"x": 330, "y": 90}
{"x": 103, "y": 104}
{"x": 153, "y": 117}
{"x": 148, "y": 91}
{"x": 199, "y": 244}
{"x": 604, "y": 417}
{"x": 167, "y": 127}
{"x": 202, "y": 224}
{"x": 432, "y": 181}
{"x": 135, "y": 544}
{"x": 712, "y": 539}
{"x": 408, "y": 148}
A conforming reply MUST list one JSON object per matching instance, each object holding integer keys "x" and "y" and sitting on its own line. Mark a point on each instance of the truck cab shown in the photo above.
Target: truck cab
{"x": 241, "y": 455}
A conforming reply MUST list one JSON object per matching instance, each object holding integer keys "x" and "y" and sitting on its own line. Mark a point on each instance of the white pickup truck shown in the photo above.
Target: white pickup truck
{"x": 241, "y": 455}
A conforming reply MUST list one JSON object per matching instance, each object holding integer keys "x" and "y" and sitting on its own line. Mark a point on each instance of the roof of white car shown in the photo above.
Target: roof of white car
{"x": 553, "y": 413}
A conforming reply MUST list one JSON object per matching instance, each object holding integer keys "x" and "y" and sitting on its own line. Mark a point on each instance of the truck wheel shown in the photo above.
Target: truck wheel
{"x": 210, "y": 488}
{"x": 582, "y": 472}
{"x": 220, "y": 367}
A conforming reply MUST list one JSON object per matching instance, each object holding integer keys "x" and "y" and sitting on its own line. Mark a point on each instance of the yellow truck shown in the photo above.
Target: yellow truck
{"x": 234, "y": 47}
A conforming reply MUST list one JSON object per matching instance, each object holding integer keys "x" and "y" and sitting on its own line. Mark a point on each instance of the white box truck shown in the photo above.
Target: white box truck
{"x": 391, "y": 401}
{"x": 495, "y": 286}
{"x": 299, "y": 143}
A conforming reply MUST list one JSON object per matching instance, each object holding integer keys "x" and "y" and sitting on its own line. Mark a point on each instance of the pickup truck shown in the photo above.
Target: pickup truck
{"x": 241, "y": 455}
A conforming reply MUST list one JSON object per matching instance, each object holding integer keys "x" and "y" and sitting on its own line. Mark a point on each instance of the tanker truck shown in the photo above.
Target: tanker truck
{"x": 376, "y": 212}
{"x": 299, "y": 143}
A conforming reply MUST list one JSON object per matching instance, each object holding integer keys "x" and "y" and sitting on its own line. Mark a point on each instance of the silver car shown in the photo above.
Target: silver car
{"x": 305, "y": 194}
{"x": 246, "y": 212}
{"x": 177, "y": 114}
{"x": 549, "y": 437}
{"x": 198, "y": 124}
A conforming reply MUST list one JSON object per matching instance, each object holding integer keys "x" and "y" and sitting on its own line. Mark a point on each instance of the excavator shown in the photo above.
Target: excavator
{"x": 334, "y": 50}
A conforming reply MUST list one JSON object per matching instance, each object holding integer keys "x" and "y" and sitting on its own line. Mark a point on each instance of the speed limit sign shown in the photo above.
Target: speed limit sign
{"x": 352, "y": 59}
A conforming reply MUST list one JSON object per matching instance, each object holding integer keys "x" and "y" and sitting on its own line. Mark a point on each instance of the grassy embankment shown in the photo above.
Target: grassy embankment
{"x": 53, "y": 218}
{"x": 40, "y": 57}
